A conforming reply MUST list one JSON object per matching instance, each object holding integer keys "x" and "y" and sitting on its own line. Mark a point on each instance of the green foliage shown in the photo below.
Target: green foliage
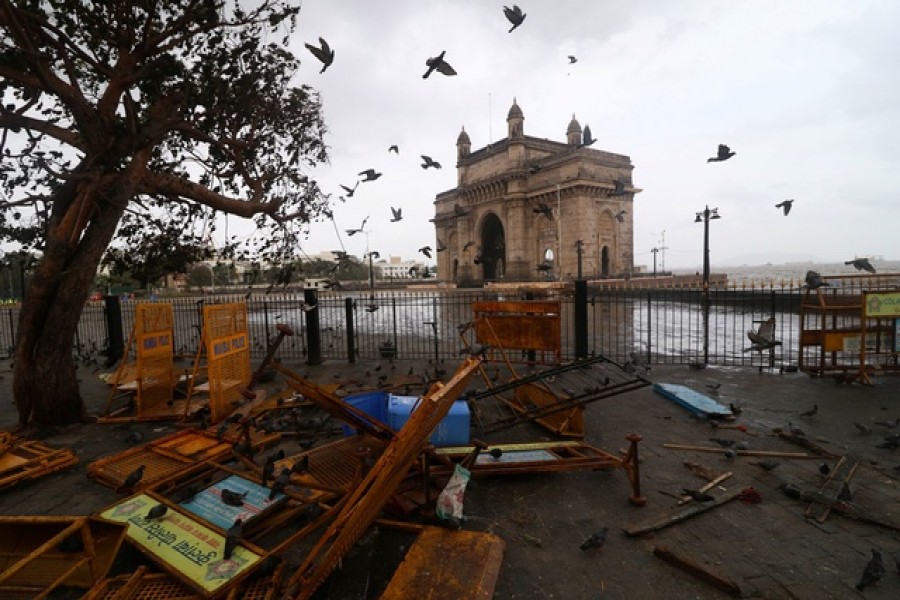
{"x": 181, "y": 111}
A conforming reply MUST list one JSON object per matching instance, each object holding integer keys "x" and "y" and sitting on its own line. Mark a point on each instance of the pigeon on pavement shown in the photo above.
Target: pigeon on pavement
{"x": 596, "y": 540}
{"x": 873, "y": 572}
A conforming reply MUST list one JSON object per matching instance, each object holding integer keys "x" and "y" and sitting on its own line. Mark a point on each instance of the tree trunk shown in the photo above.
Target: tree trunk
{"x": 45, "y": 386}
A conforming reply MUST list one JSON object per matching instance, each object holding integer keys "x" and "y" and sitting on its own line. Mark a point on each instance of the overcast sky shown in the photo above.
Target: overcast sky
{"x": 807, "y": 93}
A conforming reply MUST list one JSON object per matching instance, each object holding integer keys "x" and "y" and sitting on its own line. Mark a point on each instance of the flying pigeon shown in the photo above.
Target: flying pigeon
{"x": 764, "y": 337}
{"x": 371, "y": 307}
{"x": 371, "y": 174}
{"x": 543, "y": 209}
{"x": 233, "y": 537}
{"x": 324, "y": 53}
{"x": 814, "y": 280}
{"x": 438, "y": 63}
{"x": 398, "y": 214}
{"x": 724, "y": 154}
{"x": 572, "y": 60}
{"x": 426, "y": 250}
{"x": 785, "y": 205}
{"x": 468, "y": 245}
{"x": 394, "y": 148}
{"x": 861, "y": 264}
{"x": 350, "y": 191}
{"x": 441, "y": 246}
{"x": 620, "y": 188}
{"x": 514, "y": 15}
{"x": 352, "y": 232}
{"x": 587, "y": 139}
{"x": 156, "y": 512}
{"x": 620, "y": 216}
{"x": 596, "y": 540}
{"x": 873, "y": 572}
{"x": 429, "y": 162}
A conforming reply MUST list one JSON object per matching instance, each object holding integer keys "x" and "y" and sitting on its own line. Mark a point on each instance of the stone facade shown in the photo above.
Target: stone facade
{"x": 490, "y": 225}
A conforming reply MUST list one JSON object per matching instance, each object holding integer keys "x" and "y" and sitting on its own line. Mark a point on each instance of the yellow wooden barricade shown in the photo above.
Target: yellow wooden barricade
{"x": 151, "y": 377}
{"x": 227, "y": 348}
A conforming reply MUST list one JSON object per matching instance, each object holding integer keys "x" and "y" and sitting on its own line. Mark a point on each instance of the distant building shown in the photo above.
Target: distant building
{"x": 491, "y": 222}
{"x": 397, "y": 268}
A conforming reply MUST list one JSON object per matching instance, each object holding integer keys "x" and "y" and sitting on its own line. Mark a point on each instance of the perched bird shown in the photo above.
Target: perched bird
{"x": 795, "y": 430}
{"x": 514, "y": 15}
{"x": 222, "y": 428}
{"x": 350, "y": 191}
{"x": 397, "y": 214}
{"x": 134, "y": 437}
{"x": 861, "y": 264}
{"x": 724, "y": 154}
{"x": 439, "y": 64}
{"x": 496, "y": 453}
{"x": 301, "y": 466}
{"x": 767, "y": 465}
{"x": 572, "y": 60}
{"x": 429, "y": 162}
{"x": 596, "y": 540}
{"x": 862, "y": 428}
{"x": 544, "y": 266}
{"x": 824, "y": 469}
{"x": 721, "y": 442}
{"x": 730, "y": 453}
{"x": 426, "y": 250}
{"x": 845, "y": 495}
{"x": 324, "y": 53}
{"x": 394, "y": 148}
{"x": 468, "y": 245}
{"x": 268, "y": 470}
{"x": 372, "y": 307}
{"x": 873, "y": 572}
{"x": 619, "y": 189}
{"x": 587, "y": 139}
{"x": 785, "y": 205}
{"x": 698, "y": 495}
{"x": 233, "y": 537}
{"x": 791, "y": 490}
{"x": 713, "y": 387}
{"x": 543, "y": 209}
{"x": 232, "y": 498}
{"x": 620, "y": 216}
{"x": 888, "y": 424}
{"x": 810, "y": 412}
{"x": 814, "y": 280}
{"x": 370, "y": 175}
{"x": 476, "y": 350}
{"x": 284, "y": 477}
{"x": 133, "y": 478}
{"x": 156, "y": 512}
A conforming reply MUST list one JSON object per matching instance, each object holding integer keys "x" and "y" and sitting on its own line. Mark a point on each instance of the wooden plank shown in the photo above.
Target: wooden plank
{"x": 666, "y": 520}
{"x": 447, "y": 565}
{"x": 697, "y": 570}
{"x": 720, "y": 450}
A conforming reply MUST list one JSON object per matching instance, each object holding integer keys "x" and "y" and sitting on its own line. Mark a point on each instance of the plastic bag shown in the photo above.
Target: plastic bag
{"x": 450, "y": 501}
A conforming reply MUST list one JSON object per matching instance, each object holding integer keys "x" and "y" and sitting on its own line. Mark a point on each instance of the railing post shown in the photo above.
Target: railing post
{"x": 581, "y": 332}
{"x": 115, "y": 345}
{"x": 313, "y": 335}
{"x": 351, "y": 337}
{"x": 649, "y": 324}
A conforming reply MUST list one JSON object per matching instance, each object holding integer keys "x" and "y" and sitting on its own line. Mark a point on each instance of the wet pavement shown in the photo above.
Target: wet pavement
{"x": 769, "y": 549}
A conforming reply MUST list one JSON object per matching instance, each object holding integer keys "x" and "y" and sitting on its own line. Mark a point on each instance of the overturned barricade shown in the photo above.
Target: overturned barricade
{"x": 24, "y": 460}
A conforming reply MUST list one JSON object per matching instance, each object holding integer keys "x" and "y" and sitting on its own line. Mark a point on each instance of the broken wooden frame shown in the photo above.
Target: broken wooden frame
{"x": 555, "y": 397}
{"x": 23, "y": 460}
{"x": 141, "y": 585}
{"x": 533, "y": 327}
{"x": 167, "y": 456}
{"x": 148, "y": 383}
{"x": 32, "y": 562}
{"x": 360, "y": 508}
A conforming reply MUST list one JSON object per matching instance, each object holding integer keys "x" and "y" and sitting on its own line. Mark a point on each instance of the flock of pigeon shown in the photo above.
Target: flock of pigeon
{"x": 325, "y": 54}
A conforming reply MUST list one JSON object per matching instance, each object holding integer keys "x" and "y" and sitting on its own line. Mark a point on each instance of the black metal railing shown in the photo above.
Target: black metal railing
{"x": 665, "y": 325}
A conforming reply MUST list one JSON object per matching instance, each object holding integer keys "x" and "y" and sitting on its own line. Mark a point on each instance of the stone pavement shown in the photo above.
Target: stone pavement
{"x": 770, "y": 549}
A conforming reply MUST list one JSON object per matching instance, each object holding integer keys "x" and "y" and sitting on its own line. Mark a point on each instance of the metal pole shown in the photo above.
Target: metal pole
{"x": 558, "y": 234}
{"x": 706, "y": 285}
{"x": 313, "y": 334}
{"x": 351, "y": 338}
{"x": 581, "y": 321}
{"x": 579, "y": 248}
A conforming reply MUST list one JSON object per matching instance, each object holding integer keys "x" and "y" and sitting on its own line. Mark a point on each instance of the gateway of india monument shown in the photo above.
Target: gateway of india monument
{"x": 525, "y": 207}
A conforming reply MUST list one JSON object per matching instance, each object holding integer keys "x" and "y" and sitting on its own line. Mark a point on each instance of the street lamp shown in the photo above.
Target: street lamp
{"x": 704, "y": 217}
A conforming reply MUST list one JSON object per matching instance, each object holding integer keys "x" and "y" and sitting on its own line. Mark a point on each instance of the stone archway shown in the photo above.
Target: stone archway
{"x": 493, "y": 248}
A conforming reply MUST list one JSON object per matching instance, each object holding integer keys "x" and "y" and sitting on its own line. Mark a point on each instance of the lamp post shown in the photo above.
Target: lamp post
{"x": 704, "y": 217}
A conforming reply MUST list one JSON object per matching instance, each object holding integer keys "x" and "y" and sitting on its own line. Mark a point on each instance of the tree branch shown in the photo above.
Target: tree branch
{"x": 163, "y": 183}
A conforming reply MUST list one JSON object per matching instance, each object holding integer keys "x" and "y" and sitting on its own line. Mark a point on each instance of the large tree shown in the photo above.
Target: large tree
{"x": 118, "y": 111}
